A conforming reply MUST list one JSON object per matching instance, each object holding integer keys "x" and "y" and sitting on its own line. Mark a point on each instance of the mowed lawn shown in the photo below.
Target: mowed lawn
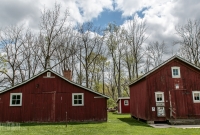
{"x": 116, "y": 125}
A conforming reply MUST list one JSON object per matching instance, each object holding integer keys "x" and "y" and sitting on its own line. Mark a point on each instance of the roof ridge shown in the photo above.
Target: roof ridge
{"x": 163, "y": 63}
{"x": 40, "y": 73}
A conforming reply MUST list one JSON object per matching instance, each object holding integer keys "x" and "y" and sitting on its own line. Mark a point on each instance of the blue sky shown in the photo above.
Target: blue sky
{"x": 108, "y": 16}
{"x": 114, "y": 16}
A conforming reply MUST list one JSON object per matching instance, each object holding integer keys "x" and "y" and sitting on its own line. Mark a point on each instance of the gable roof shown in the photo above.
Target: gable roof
{"x": 154, "y": 69}
{"x": 17, "y": 85}
{"x": 122, "y": 98}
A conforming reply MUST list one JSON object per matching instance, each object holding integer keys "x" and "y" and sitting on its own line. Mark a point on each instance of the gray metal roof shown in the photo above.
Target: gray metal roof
{"x": 17, "y": 85}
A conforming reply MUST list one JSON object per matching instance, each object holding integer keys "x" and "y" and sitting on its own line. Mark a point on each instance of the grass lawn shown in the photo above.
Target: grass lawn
{"x": 117, "y": 125}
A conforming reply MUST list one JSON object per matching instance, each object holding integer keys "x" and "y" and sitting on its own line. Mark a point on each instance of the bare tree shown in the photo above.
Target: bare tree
{"x": 103, "y": 65}
{"x": 155, "y": 52}
{"x": 90, "y": 46}
{"x": 128, "y": 61}
{"x": 147, "y": 64}
{"x": 12, "y": 39}
{"x": 135, "y": 38}
{"x": 114, "y": 43}
{"x": 65, "y": 54}
{"x": 3, "y": 70}
{"x": 190, "y": 41}
{"x": 52, "y": 27}
{"x": 111, "y": 86}
{"x": 30, "y": 65}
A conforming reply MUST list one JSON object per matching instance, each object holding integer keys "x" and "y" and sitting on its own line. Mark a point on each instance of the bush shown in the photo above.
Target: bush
{"x": 111, "y": 103}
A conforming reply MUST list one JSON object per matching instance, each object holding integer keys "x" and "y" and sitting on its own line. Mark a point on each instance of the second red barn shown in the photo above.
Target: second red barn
{"x": 169, "y": 92}
{"x": 123, "y": 105}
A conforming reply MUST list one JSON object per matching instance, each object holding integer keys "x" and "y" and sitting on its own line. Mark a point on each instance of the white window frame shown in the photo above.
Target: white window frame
{"x": 179, "y": 73}
{"x": 156, "y": 94}
{"x": 126, "y": 102}
{"x": 194, "y": 92}
{"x": 73, "y": 94}
{"x": 11, "y": 94}
{"x": 48, "y": 74}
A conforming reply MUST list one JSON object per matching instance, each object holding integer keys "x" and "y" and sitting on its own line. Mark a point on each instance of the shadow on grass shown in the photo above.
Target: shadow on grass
{"x": 133, "y": 122}
{"x": 58, "y": 124}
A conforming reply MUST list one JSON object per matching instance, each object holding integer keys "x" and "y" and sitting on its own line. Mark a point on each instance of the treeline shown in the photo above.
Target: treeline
{"x": 105, "y": 60}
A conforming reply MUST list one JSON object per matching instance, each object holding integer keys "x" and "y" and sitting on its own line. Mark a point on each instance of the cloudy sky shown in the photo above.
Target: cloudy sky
{"x": 161, "y": 16}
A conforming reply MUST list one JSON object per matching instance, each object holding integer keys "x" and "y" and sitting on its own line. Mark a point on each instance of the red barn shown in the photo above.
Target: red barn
{"x": 169, "y": 92}
{"x": 123, "y": 105}
{"x": 48, "y": 97}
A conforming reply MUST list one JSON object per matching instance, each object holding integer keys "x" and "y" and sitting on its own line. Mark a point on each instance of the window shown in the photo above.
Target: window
{"x": 125, "y": 102}
{"x": 15, "y": 99}
{"x": 48, "y": 74}
{"x": 176, "y": 72}
{"x": 77, "y": 99}
{"x": 159, "y": 96}
{"x": 196, "y": 96}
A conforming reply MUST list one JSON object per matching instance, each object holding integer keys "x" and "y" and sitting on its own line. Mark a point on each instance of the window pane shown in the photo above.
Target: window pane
{"x": 18, "y": 96}
{"x": 18, "y": 102}
{"x": 159, "y": 97}
{"x": 75, "y": 96}
{"x": 14, "y": 97}
{"x": 79, "y": 101}
{"x": 125, "y": 102}
{"x": 196, "y": 96}
{"x": 79, "y": 96}
{"x": 13, "y": 102}
{"x": 75, "y": 101}
{"x": 175, "y": 71}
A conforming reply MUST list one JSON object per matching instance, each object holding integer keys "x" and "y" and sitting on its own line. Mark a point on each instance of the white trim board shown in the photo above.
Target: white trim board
{"x": 119, "y": 98}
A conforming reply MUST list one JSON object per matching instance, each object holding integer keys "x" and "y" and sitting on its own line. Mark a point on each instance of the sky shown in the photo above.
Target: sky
{"x": 161, "y": 16}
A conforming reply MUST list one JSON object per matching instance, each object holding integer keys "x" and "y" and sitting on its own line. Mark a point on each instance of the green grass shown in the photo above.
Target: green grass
{"x": 116, "y": 125}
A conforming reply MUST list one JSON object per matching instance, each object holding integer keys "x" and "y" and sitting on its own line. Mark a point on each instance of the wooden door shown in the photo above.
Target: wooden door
{"x": 178, "y": 104}
{"x": 43, "y": 107}
{"x": 36, "y": 113}
{"x": 99, "y": 109}
{"x": 61, "y": 106}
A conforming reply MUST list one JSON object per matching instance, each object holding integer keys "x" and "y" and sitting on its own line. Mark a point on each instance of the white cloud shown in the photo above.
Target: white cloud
{"x": 13, "y": 12}
{"x": 161, "y": 16}
{"x": 129, "y": 7}
{"x": 89, "y": 9}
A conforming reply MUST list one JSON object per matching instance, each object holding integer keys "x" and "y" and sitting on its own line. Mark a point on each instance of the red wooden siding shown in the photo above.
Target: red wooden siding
{"x": 138, "y": 100}
{"x": 48, "y": 100}
{"x": 142, "y": 93}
